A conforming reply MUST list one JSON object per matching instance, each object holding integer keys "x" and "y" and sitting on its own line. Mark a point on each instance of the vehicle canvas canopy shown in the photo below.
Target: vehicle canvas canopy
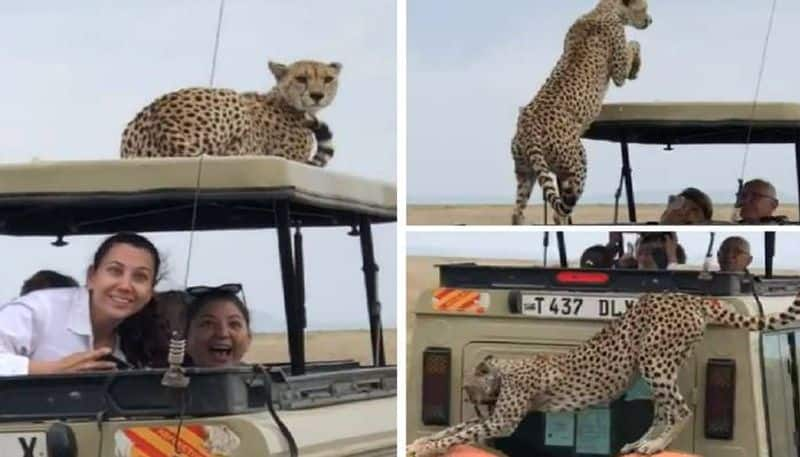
{"x": 208, "y": 193}
{"x": 686, "y": 123}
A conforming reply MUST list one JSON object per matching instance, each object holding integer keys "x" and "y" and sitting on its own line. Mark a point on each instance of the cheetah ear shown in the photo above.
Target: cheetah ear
{"x": 336, "y": 66}
{"x": 627, "y": 3}
{"x": 278, "y": 69}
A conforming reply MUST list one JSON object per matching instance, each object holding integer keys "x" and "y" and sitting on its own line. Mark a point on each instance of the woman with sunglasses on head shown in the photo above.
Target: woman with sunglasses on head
{"x": 96, "y": 327}
{"x": 218, "y": 326}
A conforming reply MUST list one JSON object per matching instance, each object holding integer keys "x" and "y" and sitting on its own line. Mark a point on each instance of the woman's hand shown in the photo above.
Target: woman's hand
{"x": 76, "y": 362}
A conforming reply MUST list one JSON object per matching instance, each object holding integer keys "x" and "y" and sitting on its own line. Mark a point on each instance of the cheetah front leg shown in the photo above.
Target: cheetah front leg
{"x": 677, "y": 413}
{"x": 635, "y": 58}
{"x": 510, "y": 408}
{"x": 671, "y": 411}
{"x": 626, "y": 58}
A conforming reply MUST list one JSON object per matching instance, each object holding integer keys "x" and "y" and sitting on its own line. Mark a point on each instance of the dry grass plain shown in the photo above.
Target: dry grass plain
{"x": 323, "y": 345}
{"x": 584, "y": 214}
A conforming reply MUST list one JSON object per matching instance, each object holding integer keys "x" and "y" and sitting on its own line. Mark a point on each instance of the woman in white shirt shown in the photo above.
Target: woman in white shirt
{"x": 76, "y": 329}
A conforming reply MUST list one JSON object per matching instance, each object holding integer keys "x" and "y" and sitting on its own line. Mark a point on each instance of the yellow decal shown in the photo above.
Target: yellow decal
{"x": 460, "y": 300}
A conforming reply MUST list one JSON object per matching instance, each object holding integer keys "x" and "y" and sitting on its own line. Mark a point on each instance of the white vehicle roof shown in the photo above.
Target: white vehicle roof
{"x": 697, "y": 122}
{"x": 158, "y": 194}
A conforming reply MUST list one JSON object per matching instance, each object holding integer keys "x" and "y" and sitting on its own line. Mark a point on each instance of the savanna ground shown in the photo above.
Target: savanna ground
{"x": 324, "y": 345}
{"x": 584, "y": 214}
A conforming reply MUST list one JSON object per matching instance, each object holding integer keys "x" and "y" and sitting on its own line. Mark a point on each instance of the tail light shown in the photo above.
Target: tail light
{"x": 720, "y": 395}
{"x": 582, "y": 277}
{"x": 436, "y": 386}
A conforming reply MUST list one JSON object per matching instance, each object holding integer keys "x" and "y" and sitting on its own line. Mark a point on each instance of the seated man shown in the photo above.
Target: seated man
{"x": 734, "y": 254}
{"x": 758, "y": 201}
{"x": 691, "y": 206}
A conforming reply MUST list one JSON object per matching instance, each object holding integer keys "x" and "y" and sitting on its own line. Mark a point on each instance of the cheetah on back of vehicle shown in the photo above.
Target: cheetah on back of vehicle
{"x": 547, "y": 146}
{"x": 194, "y": 121}
{"x": 653, "y": 338}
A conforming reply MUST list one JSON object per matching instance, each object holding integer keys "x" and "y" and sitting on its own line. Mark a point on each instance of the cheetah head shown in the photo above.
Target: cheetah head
{"x": 483, "y": 387}
{"x": 307, "y": 85}
{"x": 634, "y": 13}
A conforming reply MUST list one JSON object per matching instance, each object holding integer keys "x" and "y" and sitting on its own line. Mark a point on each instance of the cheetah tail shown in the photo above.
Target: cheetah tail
{"x": 550, "y": 188}
{"x": 547, "y": 179}
{"x": 325, "y": 149}
{"x": 719, "y": 314}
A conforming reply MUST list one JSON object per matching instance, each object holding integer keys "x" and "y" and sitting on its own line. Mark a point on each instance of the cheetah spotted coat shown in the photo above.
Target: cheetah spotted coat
{"x": 195, "y": 121}
{"x": 547, "y": 146}
{"x": 653, "y": 338}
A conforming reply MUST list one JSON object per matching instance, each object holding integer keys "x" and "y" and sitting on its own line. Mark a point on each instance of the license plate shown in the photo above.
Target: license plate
{"x": 23, "y": 444}
{"x": 575, "y": 307}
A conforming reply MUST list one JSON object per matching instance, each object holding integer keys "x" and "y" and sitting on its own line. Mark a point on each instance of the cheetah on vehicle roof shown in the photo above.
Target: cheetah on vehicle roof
{"x": 547, "y": 146}
{"x": 653, "y": 338}
{"x": 282, "y": 122}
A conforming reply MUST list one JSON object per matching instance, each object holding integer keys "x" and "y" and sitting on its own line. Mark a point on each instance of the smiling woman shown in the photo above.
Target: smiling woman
{"x": 85, "y": 328}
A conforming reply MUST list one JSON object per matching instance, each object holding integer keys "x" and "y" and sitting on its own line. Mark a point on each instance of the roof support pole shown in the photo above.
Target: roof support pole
{"x": 769, "y": 253}
{"x": 797, "y": 162}
{"x": 294, "y": 312}
{"x": 370, "y": 269}
{"x": 626, "y": 173}
{"x": 562, "y": 249}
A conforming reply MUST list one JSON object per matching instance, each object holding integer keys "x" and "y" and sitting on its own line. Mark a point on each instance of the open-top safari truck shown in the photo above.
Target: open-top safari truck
{"x": 742, "y": 386}
{"x": 332, "y": 408}
{"x": 673, "y": 124}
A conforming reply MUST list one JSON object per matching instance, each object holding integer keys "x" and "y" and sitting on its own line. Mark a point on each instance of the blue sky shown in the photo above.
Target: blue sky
{"x": 74, "y": 73}
{"x": 472, "y": 65}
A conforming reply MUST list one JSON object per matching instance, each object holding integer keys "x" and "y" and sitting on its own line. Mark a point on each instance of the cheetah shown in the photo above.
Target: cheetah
{"x": 282, "y": 122}
{"x": 653, "y": 338}
{"x": 547, "y": 146}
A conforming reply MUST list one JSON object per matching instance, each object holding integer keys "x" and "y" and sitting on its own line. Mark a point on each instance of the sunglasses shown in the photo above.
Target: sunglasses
{"x": 198, "y": 291}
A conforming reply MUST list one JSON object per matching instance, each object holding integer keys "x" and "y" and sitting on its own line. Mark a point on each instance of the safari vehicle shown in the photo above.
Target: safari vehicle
{"x": 331, "y": 408}
{"x": 691, "y": 123}
{"x": 742, "y": 386}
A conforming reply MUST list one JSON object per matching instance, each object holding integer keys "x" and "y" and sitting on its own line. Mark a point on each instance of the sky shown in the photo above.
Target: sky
{"x": 519, "y": 245}
{"x": 471, "y": 65}
{"x": 75, "y": 73}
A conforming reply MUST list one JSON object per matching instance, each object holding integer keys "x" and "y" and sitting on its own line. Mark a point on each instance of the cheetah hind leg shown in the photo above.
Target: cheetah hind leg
{"x": 547, "y": 179}
{"x": 524, "y": 188}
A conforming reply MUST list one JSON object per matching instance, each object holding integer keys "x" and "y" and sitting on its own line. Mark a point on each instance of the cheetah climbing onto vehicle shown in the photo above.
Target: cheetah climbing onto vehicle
{"x": 547, "y": 145}
{"x": 282, "y": 122}
{"x": 653, "y": 338}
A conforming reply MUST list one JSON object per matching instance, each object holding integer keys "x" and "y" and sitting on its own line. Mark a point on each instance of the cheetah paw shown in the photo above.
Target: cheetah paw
{"x": 420, "y": 449}
{"x": 518, "y": 219}
{"x": 630, "y": 447}
{"x": 652, "y": 446}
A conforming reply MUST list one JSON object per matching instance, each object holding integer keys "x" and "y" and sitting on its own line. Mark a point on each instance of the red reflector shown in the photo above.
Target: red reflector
{"x": 720, "y": 395}
{"x": 581, "y": 277}
{"x": 436, "y": 386}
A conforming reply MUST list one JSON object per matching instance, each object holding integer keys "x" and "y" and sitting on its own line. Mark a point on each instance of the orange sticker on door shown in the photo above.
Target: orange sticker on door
{"x": 194, "y": 441}
{"x": 460, "y": 300}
